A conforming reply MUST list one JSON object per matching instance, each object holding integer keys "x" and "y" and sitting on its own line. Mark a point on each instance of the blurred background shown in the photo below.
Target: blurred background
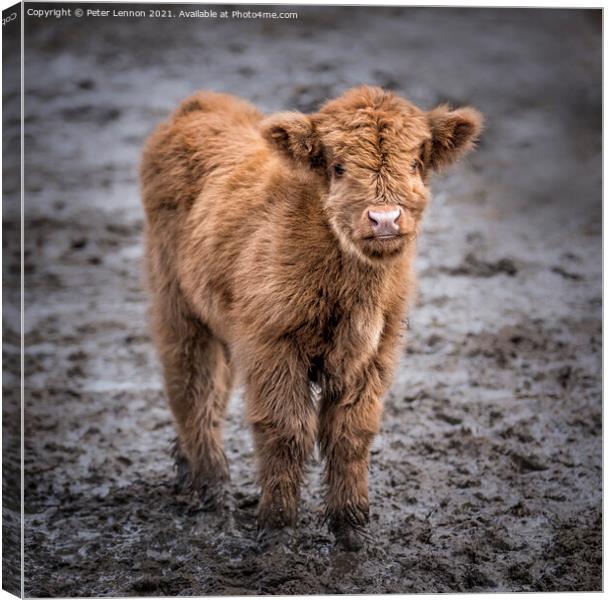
{"x": 487, "y": 474}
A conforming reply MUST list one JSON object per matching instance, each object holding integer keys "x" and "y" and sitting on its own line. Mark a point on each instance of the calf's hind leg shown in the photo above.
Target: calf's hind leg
{"x": 198, "y": 377}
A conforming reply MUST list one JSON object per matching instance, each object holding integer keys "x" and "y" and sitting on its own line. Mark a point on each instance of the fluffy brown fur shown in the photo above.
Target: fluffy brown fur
{"x": 263, "y": 259}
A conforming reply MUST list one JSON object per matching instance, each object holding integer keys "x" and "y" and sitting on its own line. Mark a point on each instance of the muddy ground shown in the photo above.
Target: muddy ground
{"x": 487, "y": 473}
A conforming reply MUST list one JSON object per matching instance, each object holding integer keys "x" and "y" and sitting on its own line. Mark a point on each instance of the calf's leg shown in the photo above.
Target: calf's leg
{"x": 198, "y": 377}
{"x": 350, "y": 415}
{"x": 347, "y": 428}
{"x": 281, "y": 412}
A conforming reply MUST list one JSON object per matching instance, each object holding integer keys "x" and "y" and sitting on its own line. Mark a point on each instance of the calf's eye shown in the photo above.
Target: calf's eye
{"x": 339, "y": 170}
{"x": 415, "y": 165}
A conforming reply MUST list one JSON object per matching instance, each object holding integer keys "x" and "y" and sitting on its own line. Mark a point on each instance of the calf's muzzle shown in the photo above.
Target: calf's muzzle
{"x": 384, "y": 221}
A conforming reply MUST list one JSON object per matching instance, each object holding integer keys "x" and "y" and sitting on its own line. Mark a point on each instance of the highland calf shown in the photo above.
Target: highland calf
{"x": 280, "y": 248}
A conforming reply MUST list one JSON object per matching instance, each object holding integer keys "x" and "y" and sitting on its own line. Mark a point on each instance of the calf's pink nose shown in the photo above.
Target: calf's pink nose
{"x": 384, "y": 222}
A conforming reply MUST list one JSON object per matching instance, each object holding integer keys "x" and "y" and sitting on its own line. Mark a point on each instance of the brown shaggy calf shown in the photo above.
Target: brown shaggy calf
{"x": 280, "y": 247}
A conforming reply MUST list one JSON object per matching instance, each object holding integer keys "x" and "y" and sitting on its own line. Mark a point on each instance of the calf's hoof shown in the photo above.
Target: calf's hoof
{"x": 349, "y": 527}
{"x": 210, "y": 487}
{"x": 182, "y": 480}
{"x": 275, "y": 523}
{"x": 348, "y": 536}
{"x": 269, "y": 538}
{"x": 275, "y": 516}
{"x": 277, "y": 509}
{"x": 213, "y": 495}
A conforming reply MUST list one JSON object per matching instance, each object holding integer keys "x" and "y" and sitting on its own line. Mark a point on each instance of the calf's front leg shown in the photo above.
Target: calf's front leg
{"x": 350, "y": 416}
{"x": 347, "y": 426}
{"x": 282, "y": 414}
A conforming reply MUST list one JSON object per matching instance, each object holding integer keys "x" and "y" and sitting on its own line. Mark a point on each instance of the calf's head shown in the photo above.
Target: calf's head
{"x": 374, "y": 152}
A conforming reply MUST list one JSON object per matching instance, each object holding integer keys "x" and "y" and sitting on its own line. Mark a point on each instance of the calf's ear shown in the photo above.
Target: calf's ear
{"x": 453, "y": 134}
{"x": 294, "y": 135}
